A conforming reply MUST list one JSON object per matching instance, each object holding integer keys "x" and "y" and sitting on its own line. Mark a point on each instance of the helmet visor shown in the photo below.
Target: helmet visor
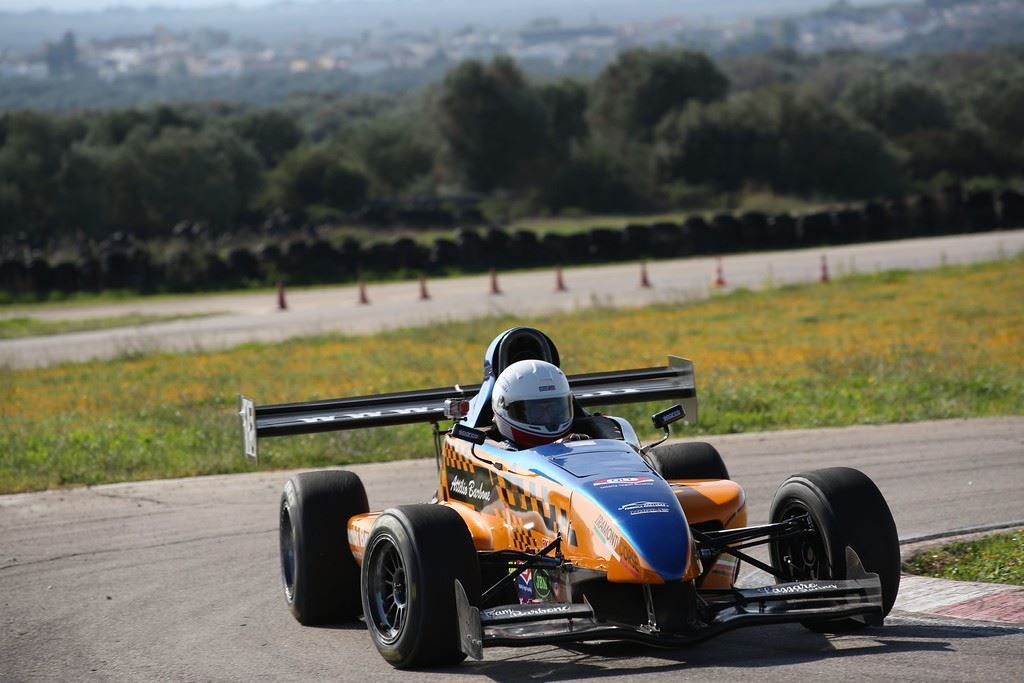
{"x": 551, "y": 412}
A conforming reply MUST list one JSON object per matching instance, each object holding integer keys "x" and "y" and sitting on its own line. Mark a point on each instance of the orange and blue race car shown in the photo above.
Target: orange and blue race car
{"x": 597, "y": 537}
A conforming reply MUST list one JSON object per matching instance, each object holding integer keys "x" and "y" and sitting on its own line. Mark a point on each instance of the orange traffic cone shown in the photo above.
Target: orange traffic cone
{"x": 281, "y": 304}
{"x": 719, "y": 273}
{"x": 824, "y": 268}
{"x": 424, "y": 296}
{"x": 559, "y": 281}
{"x": 494, "y": 282}
{"x": 363, "y": 299}
{"x": 645, "y": 282}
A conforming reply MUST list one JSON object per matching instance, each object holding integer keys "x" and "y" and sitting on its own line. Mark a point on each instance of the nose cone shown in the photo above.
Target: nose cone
{"x": 644, "y": 512}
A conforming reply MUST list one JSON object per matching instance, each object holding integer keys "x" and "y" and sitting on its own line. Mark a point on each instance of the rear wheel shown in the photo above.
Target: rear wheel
{"x": 847, "y": 509}
{"x": 413, "y": 557}
{"x": 320, "y": 576}
{"x": 694, "y": 460}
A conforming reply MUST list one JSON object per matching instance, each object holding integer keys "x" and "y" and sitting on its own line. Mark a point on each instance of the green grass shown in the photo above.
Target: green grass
{"x": 753, "y": 201}
{"x": 995, "y": 559}
{"x": 14, "y": 328}
{"x": 868, "y": 349}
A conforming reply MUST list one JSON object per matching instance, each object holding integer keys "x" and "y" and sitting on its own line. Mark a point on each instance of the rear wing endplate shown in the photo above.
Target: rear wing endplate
{"x": 673, "y": 382}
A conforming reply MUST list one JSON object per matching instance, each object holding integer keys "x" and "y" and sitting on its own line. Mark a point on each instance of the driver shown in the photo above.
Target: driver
{"x": 532, "y": 403}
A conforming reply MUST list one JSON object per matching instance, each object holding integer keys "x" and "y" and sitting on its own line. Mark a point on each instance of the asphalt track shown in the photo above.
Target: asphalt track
{"x": 238, "y": 318}
{"x": 179, "y": 579}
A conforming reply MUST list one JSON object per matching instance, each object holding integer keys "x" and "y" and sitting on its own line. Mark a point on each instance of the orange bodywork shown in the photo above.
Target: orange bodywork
{"x": 524, "y": 511}
{"x": 714, "y": 500}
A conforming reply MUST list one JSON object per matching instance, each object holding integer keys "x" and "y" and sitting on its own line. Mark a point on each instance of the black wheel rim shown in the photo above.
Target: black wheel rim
{"x": 287, "y": 536}
{"x": 387, "y": 590}
{"x": 804, "y": 556}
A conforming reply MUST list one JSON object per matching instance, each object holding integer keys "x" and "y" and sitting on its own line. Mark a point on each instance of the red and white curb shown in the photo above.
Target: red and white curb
{"x": 990, "y": 602}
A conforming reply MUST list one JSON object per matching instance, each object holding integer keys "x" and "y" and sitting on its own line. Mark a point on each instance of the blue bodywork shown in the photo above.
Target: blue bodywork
{"x": 640, "y": 505}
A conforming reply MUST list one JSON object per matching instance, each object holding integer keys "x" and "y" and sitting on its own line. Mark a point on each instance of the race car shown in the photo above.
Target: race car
{"x": 594, "y": 537}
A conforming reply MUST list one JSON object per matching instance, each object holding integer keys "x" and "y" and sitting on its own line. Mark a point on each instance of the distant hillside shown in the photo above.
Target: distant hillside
{"x": 282, "y": 22}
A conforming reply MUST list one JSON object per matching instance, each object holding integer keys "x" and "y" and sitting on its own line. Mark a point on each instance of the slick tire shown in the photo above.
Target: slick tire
{"x": 320, "y": 576}
{"x": 848, "y": 510}
{"x": 695, "y": 460}
{"x": 413, "y": 557}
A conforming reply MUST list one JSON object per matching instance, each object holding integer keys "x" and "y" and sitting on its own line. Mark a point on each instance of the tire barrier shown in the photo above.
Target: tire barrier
{"x": 122, "y": 263}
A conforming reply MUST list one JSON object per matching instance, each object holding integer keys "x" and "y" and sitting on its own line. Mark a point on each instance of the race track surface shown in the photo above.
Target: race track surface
{"x": 240, "y": 318}
{"x": 179, "y": 579}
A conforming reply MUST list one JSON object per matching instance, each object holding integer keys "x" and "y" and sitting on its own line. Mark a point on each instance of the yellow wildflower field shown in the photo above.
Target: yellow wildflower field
{"x": 863, "y": 349}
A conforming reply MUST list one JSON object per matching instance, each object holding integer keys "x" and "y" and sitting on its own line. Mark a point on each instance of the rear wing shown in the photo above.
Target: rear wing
{"x": 673, "y": 382}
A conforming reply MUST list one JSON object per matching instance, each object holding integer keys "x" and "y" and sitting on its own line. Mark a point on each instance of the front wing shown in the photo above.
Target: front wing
{"x": 546, "y": 623}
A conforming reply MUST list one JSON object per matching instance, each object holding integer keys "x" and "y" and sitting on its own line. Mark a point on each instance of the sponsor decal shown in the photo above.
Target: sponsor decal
{"x": 542, "y": 585}
{"x": 528, "y": 611}
{"x": 606, "y": 532}
{"x": 616, "y": 482}
{"x": 470, "y": 490}
{"x": 796, "y": 588}
{"x": 289, "y": 494}
{"x": 546, "y": 387}
{"x": 629, "y": 559}
{"x": 358, "y": 536}
{"x": 524, "y": 586}
{"x": 368, "y": 414}
{"x": 606, "y": 392}
{"x": 646, "y": 507}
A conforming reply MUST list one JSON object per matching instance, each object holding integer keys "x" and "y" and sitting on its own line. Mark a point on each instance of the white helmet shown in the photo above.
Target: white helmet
{"x": 532, "y": 403}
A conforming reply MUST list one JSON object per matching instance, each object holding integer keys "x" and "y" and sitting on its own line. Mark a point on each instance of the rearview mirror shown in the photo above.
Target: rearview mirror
{"x": 668, "y": 416}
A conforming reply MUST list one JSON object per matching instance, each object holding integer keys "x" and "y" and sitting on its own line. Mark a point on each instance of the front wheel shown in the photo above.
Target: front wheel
{"x": 847, "y": 509}
{"x": 413, "y": 557}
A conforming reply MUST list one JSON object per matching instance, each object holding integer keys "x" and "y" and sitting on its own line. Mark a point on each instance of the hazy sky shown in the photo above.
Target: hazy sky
{"x": 79, "y": 5}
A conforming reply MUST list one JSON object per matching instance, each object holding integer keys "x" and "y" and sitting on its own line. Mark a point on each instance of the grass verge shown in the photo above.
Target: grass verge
{"x": 994, "y": 559}
{"x": 14, "y": 328}
{"x": 893, "y": 347}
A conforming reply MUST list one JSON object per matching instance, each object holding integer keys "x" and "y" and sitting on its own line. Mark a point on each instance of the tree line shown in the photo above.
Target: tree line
{"x": 654, "y": 130}
{"x": 145, "y": 267}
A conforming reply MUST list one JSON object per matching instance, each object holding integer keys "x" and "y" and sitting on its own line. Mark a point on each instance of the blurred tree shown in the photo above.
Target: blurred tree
{"x": 953, "y": 153}
{"x": 821, "y": 150}
{"x": 394, "y": 156}
{"x": 897, "y": 107}
{"x": 151, "y": 185}
{"x": 794, "y": 144}
{"x": 272, "y": 132}
{"x": 310, "y": 176}
{"x": 29, "y": 162}
{"x": 565, "y": 103}
{"x": 725, "y": 144}
{"x": 492, "y": 123}
{"x": 111, "y": 128}
{"x": 79, "y": 188}
{"x": 593, "y": 180}
{"x": 1000, "y": 106}
{"x": 635, "y": 91}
